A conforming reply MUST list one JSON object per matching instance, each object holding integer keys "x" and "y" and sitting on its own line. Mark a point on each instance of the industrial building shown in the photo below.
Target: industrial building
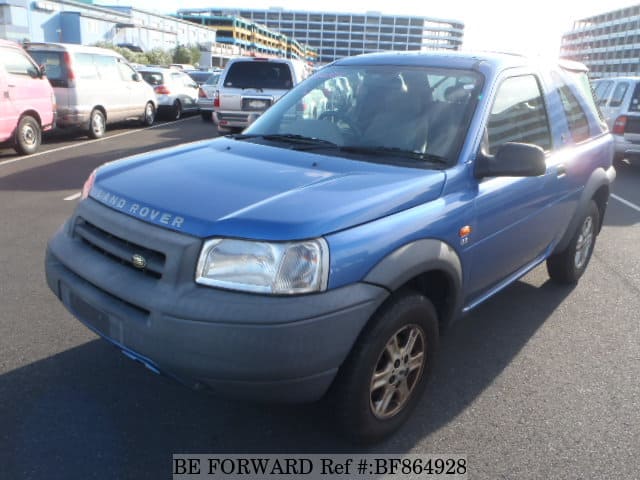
{"x": 250, "y": 37}
{"x": 337, "y": 35}
{"x": 84, "y": 23}
{"x": 607, "y": 43}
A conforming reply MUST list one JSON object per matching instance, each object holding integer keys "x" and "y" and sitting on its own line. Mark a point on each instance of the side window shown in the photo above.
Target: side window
{"x": 107, "y": 68}
{"x": 16, "y": 63}
{"x": 176, "y": 78}
{"x": 85, "y": 68}
{"x": 518, "y": 115}
{"x": 576, "y": 118}
{"x": 618, "y": 94}
{"x": 187, "y": 81}
{"x": 126, "y": 72}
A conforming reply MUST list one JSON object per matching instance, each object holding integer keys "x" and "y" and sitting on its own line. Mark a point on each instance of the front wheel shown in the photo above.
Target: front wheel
{"x": 385, "y": 374}
{"x": 97, "y": 124}
{"x": 28, "y": 136}
{"x": 568, "y": 266}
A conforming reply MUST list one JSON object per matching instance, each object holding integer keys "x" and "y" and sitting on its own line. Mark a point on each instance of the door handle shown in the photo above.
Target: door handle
{"x": 561, "y": 170}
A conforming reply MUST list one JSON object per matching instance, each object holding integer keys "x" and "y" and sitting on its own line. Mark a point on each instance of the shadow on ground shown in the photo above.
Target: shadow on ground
{"x": 91, "y": 413}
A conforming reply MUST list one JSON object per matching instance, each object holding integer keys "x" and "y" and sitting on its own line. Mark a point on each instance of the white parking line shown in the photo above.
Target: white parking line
{"x": 626, "y": 202}
{"x": 75, "y": 196}
{"x": 89, "y": 142}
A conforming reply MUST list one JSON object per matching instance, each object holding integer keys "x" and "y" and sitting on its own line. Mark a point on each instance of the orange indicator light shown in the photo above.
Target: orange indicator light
{"x": 465, "y": 231}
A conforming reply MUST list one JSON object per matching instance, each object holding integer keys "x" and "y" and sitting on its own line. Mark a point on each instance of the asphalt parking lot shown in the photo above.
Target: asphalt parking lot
{"x": 539, "y": 382}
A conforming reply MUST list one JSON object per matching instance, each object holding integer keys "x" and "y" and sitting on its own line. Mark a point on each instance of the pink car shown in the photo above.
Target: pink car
{"x": 27, "y": 102}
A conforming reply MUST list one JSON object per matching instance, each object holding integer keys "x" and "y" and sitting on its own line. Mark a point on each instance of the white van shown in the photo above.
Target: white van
{"x": 250, "y": 85}
{"x": 94, "y": 87}
{"x": 619, "y": 102}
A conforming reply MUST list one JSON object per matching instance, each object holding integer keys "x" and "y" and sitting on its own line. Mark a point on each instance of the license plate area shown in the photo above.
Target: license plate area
{"x": 255, "y": 104}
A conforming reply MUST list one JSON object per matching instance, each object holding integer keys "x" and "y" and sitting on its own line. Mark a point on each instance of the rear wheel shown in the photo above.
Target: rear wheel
{"x": 176, "y": 110}
{"x": 97, "y": 124}
{"x": 568, "y": 266}
{"x": 28, "y": 136}
{"x": 384, "y": 376}
{"x": 206, "y": 116}
{"x": 149, "y": 114}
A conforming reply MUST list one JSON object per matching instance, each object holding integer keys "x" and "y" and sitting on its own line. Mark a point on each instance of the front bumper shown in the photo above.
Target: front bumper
{"x": 259, "y": 347}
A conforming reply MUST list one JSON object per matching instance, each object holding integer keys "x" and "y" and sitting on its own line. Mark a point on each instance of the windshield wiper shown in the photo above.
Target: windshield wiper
{"x": 293, "y": 138}
{"x": 396, "y": 152}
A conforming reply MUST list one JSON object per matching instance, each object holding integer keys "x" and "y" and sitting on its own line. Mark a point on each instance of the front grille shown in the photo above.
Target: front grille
{"x": 120, "y": 249}
{"x": 255, "y": 104}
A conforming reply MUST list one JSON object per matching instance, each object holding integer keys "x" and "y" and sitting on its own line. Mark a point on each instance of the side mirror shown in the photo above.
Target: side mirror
{"x": 42, "y": 71}
{"x": 512, "y": 160}
{"x": 136, "y": 77}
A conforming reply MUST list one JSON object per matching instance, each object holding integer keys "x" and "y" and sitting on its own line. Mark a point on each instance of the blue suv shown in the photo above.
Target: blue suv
{"x": 323, "y": 251}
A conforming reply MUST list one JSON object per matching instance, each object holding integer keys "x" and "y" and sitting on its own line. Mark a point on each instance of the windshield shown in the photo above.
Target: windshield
{"x": 213, "y": 79}
{"x": 417, "y": 110}
{"x": 259, "y": 74}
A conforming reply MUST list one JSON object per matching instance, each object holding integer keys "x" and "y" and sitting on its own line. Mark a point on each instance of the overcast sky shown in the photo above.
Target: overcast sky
{"x": 530, "y": 27}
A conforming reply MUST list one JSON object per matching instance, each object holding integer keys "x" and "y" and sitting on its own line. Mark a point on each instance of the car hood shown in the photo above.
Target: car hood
{"x": 240, "y": 189}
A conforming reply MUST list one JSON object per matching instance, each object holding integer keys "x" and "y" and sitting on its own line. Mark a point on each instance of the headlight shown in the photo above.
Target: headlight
{"x": 88, "y": 184}
{"x": 265, "y": 267}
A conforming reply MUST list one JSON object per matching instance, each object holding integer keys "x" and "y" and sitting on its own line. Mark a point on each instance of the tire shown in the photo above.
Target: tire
{"x": 366, "y": 412}
{"x": 176, "y": 110}
{"x": 206, "y": 117}
{"x": 149, "y": 114}
{"x": 568, "y": 266}
{"x": 97, "y": 124}
{"x": 28, "y": 136}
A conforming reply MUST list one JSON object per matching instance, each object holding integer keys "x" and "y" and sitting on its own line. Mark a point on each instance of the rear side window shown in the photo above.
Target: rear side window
{"x": 618, "y": 94}
{"x": 259, "y": 74}
{"x": 518, "y": 115}
{"x": 601, "y": 90}
{"x": 53, "y": 63}
{"x": 16, "y": 63}
{"x": 576, "y": 118}
{"x": 152, "y": 78}
{"x": 634, "y": 105}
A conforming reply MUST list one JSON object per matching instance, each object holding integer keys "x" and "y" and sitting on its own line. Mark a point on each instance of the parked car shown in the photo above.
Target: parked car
{"x": 176, "y": 91}
{"x": 182, "y": 66}
{"x": 250, "y": 85}
{"x": 27, "y": 103}
{"x": 201, "y": 76}
{"x": 619, "y": 101}
{"x": 94, "y": 87}
{"x": 209, "y": 96}
{"x": 323, "y": 257}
